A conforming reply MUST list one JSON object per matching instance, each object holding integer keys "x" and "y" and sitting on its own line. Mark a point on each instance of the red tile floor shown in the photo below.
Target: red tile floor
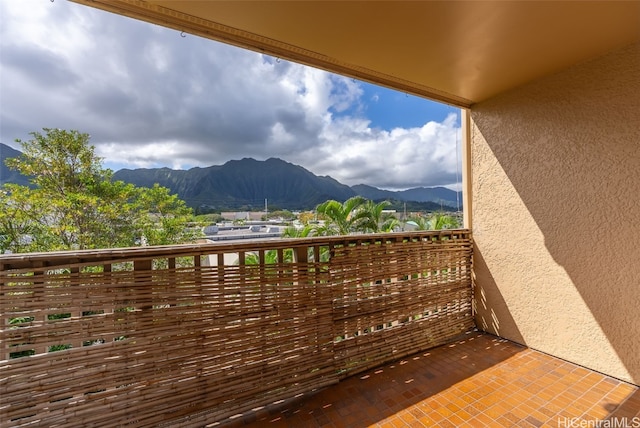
{"x": 478, "y": 381}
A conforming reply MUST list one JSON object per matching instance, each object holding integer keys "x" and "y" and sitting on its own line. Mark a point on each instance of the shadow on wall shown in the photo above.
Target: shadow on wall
{"x": 570, "y": 147}
{"x": 492, "y": 311}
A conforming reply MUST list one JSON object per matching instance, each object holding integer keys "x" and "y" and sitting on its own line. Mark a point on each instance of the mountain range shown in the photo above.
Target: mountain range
{"x": 8, "y": 175}
{"x": 250, "y": 184}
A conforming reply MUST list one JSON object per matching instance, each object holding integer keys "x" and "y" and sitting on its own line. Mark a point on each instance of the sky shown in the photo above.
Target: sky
{"x": 149, "y": 98}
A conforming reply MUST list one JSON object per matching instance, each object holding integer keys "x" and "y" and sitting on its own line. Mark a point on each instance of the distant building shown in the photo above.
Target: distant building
{"x": 242, "y": 215}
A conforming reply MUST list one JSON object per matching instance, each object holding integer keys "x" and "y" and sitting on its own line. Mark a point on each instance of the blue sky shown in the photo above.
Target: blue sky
{"x": 389, "y": 109}
{"x": 151, "y": 98}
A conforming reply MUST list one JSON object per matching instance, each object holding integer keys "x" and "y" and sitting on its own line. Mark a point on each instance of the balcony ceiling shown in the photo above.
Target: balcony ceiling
{"x": 459, "y": 52}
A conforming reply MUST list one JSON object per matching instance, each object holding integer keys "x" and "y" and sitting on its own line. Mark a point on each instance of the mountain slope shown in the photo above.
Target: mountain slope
{"x": 243, "y": 183}
{"x": 8, "y": 175}
{"x": 439, "y": 195}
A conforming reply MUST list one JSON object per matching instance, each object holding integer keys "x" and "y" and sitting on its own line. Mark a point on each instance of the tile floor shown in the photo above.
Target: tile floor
{"x": 478, "y": 381}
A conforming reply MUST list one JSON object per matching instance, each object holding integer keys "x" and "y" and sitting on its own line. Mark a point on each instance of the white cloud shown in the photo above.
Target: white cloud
{"x": 151, "y": 98}
{"x": 352, "y": 152}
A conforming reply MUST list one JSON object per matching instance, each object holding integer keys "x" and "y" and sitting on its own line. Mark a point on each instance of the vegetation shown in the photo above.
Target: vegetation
{"x": 284, "y": 215}
{"x": 359, "y": 215}
{"x": 341, "y": 218}
{"x": 73, "y": 203}
{"x": 373, "y": 218}
{"x": 355, "y": 215}
{"x": 307, "y": 217}
{"x": 209, "y": 218}
{"x": 293, "y": 232}
{"x": 435, "y": 221}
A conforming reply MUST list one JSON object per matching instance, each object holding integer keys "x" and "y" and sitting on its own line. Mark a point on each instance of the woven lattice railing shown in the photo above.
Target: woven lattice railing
{"x": 188, "y": 335}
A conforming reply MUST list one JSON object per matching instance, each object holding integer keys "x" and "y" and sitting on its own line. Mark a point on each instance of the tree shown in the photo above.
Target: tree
{"x": 164, "y": 217}
{"x": 271, "y": 256}
{"x": 285, "y": 215}
{"x": 74, "y": 204}
{"x": 207, "y": 219}
{"x": 306, "y": 217}
{"x": 420, "y": 222}
{"x": 19, "y": 220}
{"x": 440, "y": 220}
{"x": 435, "y": 221}
{"x": 306, "y": 232}
{"x": 340, "y": 218}
{"x": 371, "y": 217}
{"x": 293, "y": 232}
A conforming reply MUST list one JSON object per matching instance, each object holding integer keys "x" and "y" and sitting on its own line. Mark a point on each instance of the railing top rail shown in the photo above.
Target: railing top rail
{"x": 54, "y": 258}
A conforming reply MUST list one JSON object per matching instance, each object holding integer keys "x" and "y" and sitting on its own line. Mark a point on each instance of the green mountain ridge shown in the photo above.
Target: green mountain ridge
{"x": 8, "y": 175}
{"x": 245, "y": 184}
{"x": 438, "y": 195}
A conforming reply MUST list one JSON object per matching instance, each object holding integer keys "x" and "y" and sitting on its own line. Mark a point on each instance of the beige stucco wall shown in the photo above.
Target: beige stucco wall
{"x": 556, "y": 214}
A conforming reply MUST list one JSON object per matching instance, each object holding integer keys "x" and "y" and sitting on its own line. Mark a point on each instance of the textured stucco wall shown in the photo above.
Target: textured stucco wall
{"x": 556, "y": 214}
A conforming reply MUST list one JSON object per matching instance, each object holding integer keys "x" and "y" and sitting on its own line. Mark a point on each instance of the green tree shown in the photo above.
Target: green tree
{"x": 293, "y": 232}
{"x": 285, "y": 215}
{"x": 306, "y": 232}
{"x": 75, "y": 204}
{"x": 164, "y": 217}
{"x": 440, "y": 220}
{"x": 306, "y": 217}
{"x": 340, "y": 218}
{"x": 271, "y": 256}
{"x": 371, "y": 217}
{"x": 435, "y": 221}
{"x": 419, "y": 222}
{"x": 20, "y": 216}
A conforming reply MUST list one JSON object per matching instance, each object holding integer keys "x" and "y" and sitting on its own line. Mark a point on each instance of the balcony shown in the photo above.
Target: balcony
{"x": 478, "y": 380}
{"x": 366, "y": 330}
{"x": 195, "y": 334}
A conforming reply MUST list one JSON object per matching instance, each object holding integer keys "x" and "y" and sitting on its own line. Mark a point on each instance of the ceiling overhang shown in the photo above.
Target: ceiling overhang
{"x": 457, "y": 52}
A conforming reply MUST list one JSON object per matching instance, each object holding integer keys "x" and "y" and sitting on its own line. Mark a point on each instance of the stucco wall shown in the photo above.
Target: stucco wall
{"x": 556, "y": 214}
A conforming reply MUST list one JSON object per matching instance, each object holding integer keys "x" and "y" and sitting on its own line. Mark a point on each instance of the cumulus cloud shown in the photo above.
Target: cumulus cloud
{"x": 151, "y": 98}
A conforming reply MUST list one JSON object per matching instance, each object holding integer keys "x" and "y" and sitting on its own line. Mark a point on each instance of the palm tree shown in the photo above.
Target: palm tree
{"x": 440, "y": 220}
{"x": 390, "y": 224}
{"x": 308, "y": 230}
{"x": 419, "y": 222}
{"x": 435, "y": 221}
{"x": 294, "y": 232}
{"x": 372, "y": 218}
{"x": 271, "y": 256}
{"x": 340, "y": 218}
